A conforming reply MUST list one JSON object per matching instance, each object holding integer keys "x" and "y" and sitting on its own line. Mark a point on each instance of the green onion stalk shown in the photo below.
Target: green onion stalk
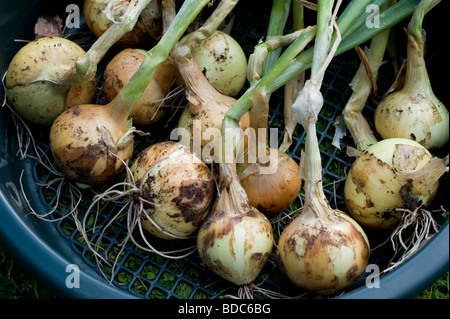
{"x": 91, "y": 142}
{"x": 362, "y": 86}
{"x": 293, "y": 86}
{"x": 351, "y": 22}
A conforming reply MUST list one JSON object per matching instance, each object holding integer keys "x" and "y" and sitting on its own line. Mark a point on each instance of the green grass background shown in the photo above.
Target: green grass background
{"x": 16, "y": 283}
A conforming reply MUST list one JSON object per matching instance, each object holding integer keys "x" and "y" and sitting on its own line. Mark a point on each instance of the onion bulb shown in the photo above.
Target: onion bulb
{"x": 223, "y": 62}
{"x": 149, "y": 109}
{"x": 322, "y": 249}
{"x": 390, "y": 174}
{"x": 235, "y": 240}
{"x": 86, "y": 141}
{"x": 177, "y": 187}
{"x": 207, "y": 106}
{"x": 40, "y": 82}
{"x": 101, "y": 14}
{"x": 414, "y": 112}
{"x": 270, "y": 178}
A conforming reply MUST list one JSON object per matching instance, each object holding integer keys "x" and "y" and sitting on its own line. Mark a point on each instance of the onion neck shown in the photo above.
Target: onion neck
{"x": 123, "y": 104}
{"x": 86, "y": 67}
{"x": 416, "y": 79}
{"x": 198, "y": 88}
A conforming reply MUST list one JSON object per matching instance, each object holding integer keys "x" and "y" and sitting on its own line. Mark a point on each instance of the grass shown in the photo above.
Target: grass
{"x": 16, "y": 283}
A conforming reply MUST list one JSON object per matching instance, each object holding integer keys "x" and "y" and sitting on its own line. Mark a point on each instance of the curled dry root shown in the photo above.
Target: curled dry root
{"x": 415, "y": 229}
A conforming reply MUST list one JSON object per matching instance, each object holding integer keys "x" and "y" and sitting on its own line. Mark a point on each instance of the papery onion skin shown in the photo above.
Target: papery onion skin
{"x": 323, "y": 256}
{"x": 38, "y": 80}
{"x": 271, "y": 193}
{"x": 223, "y": 62}
{"x": 81, "y": 150}
{"x": 373, "y": 189}
{"x": 236, "y": 246}
{"x": 179, "y": 187}
{"x": 150, "y": 107}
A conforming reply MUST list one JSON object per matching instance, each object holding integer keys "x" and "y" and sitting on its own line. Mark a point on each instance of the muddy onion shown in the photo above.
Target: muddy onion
{"x": 414, "y": 112}
{"x": 235, "y": 240}
{"x": 323, "y": 254}
{"x": 223, "y": 62}
{"x": 98, "y": 19}
{"x": 39, "y": 80}
{"x": 378, "y": 182}
{"x": 177, "y": 186}
{"x": 150, "y": 107}
{"x": 82, "y": 139}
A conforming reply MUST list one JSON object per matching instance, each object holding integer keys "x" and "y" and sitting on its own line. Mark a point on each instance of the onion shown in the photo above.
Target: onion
{"x": 177, "y": 187}
{"x": 269, "y": 176}
{"x": 40, "y": 81}
{"x": 149, "y": 109}
{"x": 391, "y": 174}
{"x": 223, "y": 62}
{"x": 414, "y": 112}
{"x": 235, "y": 240}
{"x": 91, "y": 142}
{"x": 322, "y": 249}
{"x": 101, "y": 14}
{"x": 207, "y": 106}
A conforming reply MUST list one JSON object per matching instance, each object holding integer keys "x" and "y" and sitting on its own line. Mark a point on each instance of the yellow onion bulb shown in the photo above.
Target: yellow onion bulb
{"x": 223, "y": 62}
{"x": 235, "y": 240}
{"x": 323, "y": 255}
{"x": 273, "y": 186}
{"x": 177, "y": 186}
{"x": 414, "y": 112}
{"x": 150, "y": 107}
{"x": 82, "y": 139}
{"x": 38, "y": 80}
{"x": 376, "y": 184}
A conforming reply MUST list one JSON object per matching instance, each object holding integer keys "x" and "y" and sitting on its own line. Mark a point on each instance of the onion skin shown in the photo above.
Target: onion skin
{"x": 39, "y": 83}
{"x": 274, "y": 192}
{"x": 180, "y": 187}
{"x": 149, "y": 109}
{"x": 323, "y": 255}
{"x": 81, "y": 150}
{"x": 235, "y": 240}
{"x": 149, "y": 22}
{"x": 223, "y": 62}
{"x": 374, "y": 188}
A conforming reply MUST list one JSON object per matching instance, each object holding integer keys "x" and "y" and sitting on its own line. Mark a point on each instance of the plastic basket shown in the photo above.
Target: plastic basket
{"x": 49, "y": 249}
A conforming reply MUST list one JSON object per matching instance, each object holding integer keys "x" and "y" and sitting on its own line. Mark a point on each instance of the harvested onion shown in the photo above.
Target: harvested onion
{"x": 40, "y": 80}
{"x": 415, "y": 112}
{"x": 269, "y": 176}
{"x": 177, "y": 189}
{"x": 235, "y": 240}
{"x": 391, "y": 174}
{"x": 149, "y": 109}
